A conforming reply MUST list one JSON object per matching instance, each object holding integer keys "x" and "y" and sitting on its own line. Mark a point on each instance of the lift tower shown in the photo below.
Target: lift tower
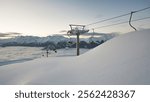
{"x": 77, "y": 30}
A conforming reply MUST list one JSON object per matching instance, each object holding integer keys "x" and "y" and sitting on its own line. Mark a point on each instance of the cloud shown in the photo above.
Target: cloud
{"x": 9, "y": 34}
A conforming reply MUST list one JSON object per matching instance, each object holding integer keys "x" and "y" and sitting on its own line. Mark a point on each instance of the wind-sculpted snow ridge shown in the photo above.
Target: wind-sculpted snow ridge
{"x": 122, "y": 60}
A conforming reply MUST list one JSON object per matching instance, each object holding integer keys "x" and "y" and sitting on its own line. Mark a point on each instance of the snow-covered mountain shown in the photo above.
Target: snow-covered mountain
{"x": 122, "y": 60}
{"x": 34, "y": 39}
{"x": 55, "y": 39}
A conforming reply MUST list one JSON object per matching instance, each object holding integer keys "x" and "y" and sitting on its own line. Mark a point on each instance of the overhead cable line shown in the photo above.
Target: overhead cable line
{"x": 117, "y": 16}
{"x": 121, "y": 23}
{"x": 142, "y": 9}
{"x": 108, "y": 19}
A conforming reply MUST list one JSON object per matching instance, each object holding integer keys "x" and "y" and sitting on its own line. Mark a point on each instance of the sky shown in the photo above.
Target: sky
{"x": 46, "y": 17}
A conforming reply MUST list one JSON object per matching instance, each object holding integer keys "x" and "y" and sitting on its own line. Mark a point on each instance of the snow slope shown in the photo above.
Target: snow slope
{"x": 122, "y": 60}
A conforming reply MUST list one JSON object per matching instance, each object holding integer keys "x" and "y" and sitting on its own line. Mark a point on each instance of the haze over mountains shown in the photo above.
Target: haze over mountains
{"x": 42, "y": 41}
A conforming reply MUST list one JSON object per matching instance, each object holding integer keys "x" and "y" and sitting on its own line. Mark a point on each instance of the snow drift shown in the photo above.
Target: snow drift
{"x": 121, "y": 60}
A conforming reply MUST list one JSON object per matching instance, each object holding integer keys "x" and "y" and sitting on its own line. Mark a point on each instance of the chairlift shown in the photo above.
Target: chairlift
{"x": 70, "y": 42}
{"x": 77, "y": 30}
{"x": 92, "y": 36}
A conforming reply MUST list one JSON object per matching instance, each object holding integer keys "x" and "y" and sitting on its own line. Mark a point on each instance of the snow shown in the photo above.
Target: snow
{"x": 17, "y": 54}
{"x": 122, "y": 60}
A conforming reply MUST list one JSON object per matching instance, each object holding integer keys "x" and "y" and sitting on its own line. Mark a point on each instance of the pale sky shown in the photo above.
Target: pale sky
{"x": 45, "y": 17}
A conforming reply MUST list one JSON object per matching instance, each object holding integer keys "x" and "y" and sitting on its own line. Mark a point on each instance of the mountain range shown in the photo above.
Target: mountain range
{"x": 54, "y": 39}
